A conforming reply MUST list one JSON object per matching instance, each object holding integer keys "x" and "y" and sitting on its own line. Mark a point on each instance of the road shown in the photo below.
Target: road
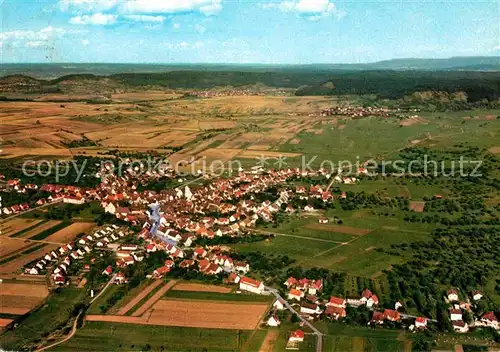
{"x": 319, "y": 334}
{"x": 75, "y": 323}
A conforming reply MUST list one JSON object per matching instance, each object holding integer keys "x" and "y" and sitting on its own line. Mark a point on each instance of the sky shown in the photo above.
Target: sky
{"x": 245, "y": 31}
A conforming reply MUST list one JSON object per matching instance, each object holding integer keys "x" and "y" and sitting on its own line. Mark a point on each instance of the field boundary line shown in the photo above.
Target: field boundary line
{"x": 155, "y": 298}
{"x": 302, "y": 237}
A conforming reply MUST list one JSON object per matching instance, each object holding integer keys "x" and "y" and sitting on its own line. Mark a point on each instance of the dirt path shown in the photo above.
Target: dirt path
{"x": 71, "y": 334}
{"x": 149, "y": 303}
{"x": 269, "y": 341}
{"x": 295, "y": 236}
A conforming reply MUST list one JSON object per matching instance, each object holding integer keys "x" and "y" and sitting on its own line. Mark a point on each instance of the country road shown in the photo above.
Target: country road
{"x": 75, "y": 323}
{"x": 27, "y": 211}
{"x": 319, "y": 334}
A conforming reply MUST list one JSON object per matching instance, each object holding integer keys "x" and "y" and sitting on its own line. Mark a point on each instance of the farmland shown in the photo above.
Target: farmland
{"x": 98, "y": 336}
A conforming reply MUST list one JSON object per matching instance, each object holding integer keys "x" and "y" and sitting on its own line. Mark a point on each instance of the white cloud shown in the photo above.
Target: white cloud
{"x": 98, "y": 19}
{"x": 88, "y": 5}
{"x": 184, "y": 45}
{"x": 85, "y": 42}
{"x": 145, "y": 18}
{"x": 42, "y": 34}
{"x": 34, "y": 44}
{"x": 310, "y": 9}
{"x": 496, "y": 48}
{"x": 176, "y": 25}
{"x": 207, "y": 7}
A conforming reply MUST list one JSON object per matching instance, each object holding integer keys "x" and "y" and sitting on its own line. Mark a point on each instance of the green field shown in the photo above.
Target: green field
{"x": 49, "y": 317}
{"x": 95, "y": 307}
{"x": 100, "y": 336}
{"x": 177, "y": 294}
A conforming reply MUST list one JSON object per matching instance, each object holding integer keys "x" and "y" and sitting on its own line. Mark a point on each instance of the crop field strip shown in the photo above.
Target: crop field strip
{"x": 144, "y": 295}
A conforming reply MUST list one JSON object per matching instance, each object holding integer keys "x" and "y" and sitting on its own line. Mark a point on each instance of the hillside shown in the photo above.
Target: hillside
{"x": 385, "y": 83}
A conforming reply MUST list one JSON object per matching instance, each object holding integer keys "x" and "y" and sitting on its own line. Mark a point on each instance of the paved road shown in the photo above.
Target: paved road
{"x": 319, "y": 334}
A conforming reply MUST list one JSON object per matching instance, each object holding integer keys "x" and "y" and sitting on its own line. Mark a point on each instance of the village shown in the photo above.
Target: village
{"x": 172, "y": 221}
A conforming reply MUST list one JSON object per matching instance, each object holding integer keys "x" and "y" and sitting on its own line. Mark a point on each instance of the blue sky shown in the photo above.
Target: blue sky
{"x": 237, "y": 31}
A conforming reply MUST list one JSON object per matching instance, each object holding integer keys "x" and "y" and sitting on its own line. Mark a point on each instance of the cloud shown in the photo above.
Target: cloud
{"x": 85, "y": 42}
{"x": 98, "y": 19}
{"x": 42, "y": 34}
{"x": 496, "y": 48}
{"x": 145, "y": 18}
{"x": 312, "y": 10}
{"x": 35, "y": 44}
{"x": 206, "y": 7}
{"x": 184, "y": 45}
{"x": 176, "y": 25}
{"x": 88, "y": 5}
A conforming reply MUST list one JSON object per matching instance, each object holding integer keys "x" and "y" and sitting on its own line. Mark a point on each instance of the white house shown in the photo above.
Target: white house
{"x": 310, "y": 308}
{"x": 278, "y": 304}
{"x": 251, "y": 285}
{"x": 476, "y": 295}
{"x": 421, "y": 323}
{"x": 452, "y": 295}
{"x": 273, "y": 321}
{"x": 455, "y": 314}
{"x": 460, "y": 326}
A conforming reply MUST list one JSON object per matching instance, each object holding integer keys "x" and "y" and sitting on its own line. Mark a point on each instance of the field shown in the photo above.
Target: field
{"x": 99, "y": 336}
{"x": 15, "y": 225}
{"x": 140, "y": 296}
{"x": 68, "y": 233}
{"x": 189, "y": 286}
{"x": 57, "y": 310}
{"x": 38, "y": 228}
{"x": 19, "y": 299}
{"x": 195, "y": 313}
{"x": 18, "y": 262}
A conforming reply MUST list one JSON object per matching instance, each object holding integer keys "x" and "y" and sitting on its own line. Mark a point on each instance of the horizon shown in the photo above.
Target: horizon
{"x": 252, "y": 63}
{"x": 291, "y": 32}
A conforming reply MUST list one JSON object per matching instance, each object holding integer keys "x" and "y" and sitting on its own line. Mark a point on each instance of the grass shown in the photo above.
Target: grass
{"x": 256, "y": 340}
{"x": 129, "y": 296}
{"x": 101, "y": 336}
{"x": 142, "y": 301}
{"x": 52, "y": 315}
{"x": 19, "y": 233}
{"x": 95, "y": 307}
{"x": 44, "y": 234}
{"x": 217, "y": 296}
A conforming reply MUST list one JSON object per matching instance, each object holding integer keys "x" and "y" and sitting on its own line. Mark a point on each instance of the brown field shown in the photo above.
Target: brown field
{"x": 21, "y": 298}
{"x": 150, "y": 302}
{"x": 219, "y": 154}
{"x": 192, "y": 313}
{"x": 295, "y": 141}
{"x": 18, "y": 263}
{"x": 139, "y": 297}
{"x": 187, "y": 286}
{"x": 259, "y": 147}
{"x": 494, "y": 150}
{"x": 70, "y": 232}
{"x": 5, "y": 322}
{"x": 9, "y": 246}
{"x": 41, "y": 128}
{"x": 342, "y": 229}
{"x": 207, "y": 314}
{"x": 417, "y": 206}
{"x": 49, "y": 224}
{"x": 18, "y": 224}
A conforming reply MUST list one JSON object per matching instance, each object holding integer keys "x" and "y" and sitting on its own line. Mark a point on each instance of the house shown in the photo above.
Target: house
{"x": 273, "y": 321}
{"x": 421, "y": 323}
{"x": 279, "y": 304}
{"x": 476, "y": 295}
{"x": 489, "y": 319}
{"x": 200, "y": 253}
{"x": 397, "y": 305}
{"x": 59, "y": 279}
{"x": 335, "y": 312}
{"x": 242, "y": 267}
{"x": 460, "y": 326}
{"x": 323, "y": 220}
{"x": 108, "y": 271}
{"x": 128, "y": 247}
{"x": 187, "y": 263}
{"x": 158, "y": 273}
{"x": 233, "y": 278}
{"x": 73, "y": 200}
{"x": 251, "y": 285}
{"x": 336, "y": 302}
{"x": 120, "y": 278}
{"x": 32, "y": 271}
{"x": 310, "y": 308}
{"x": 291, "y": 281}
{"x": 315, "y": 286}
{"x": 296, "y": 336}
{"x": 452, "y": 295}
{"x": 372, "y": 301}
{"x": 295, "y": 294}
{"x": 392, "y": 315}
{"x": 378, "y": 318}
{"x": 455, "y": 314}
{"x": 365, "y": 295}
{"x": 309, "y": 207}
